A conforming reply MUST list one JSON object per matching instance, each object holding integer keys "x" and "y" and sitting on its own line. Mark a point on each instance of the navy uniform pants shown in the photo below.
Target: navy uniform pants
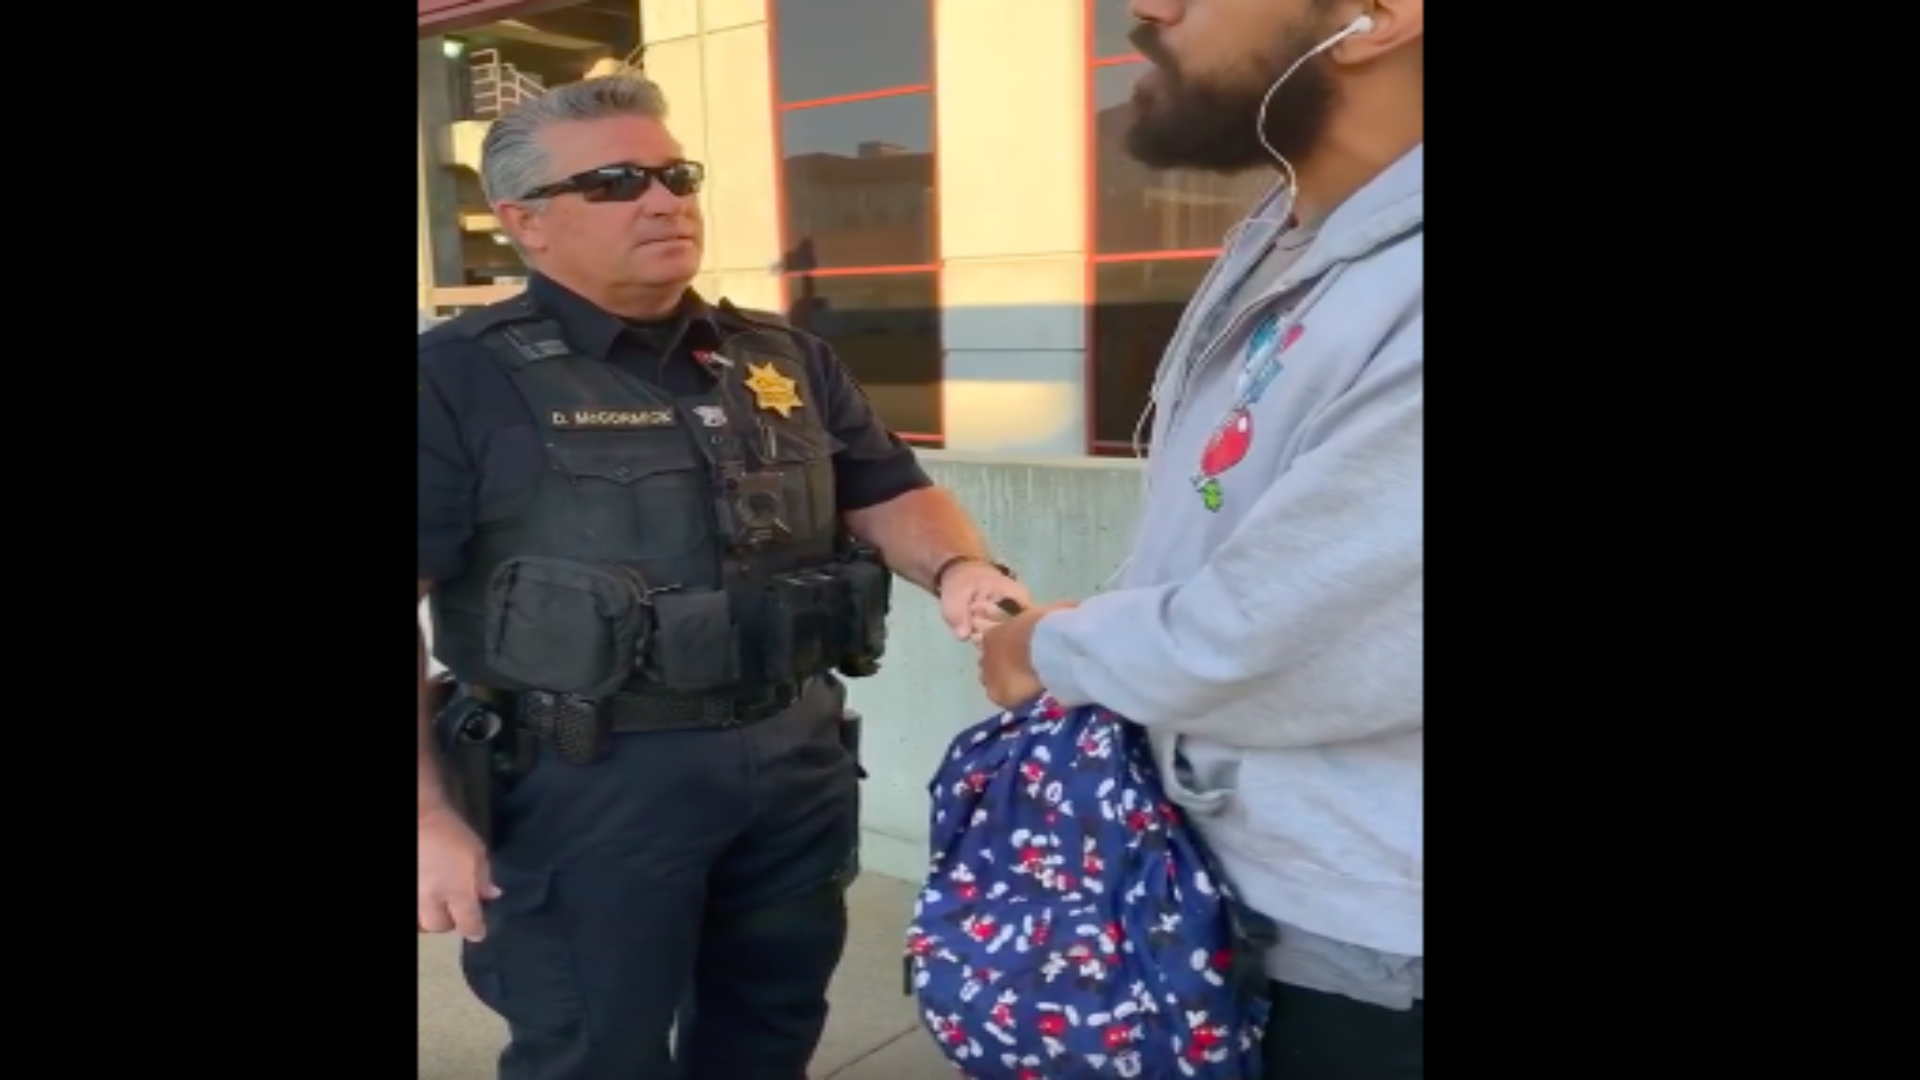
{"x": 710, "y": 859}
{"x": 1318, "y": 1036}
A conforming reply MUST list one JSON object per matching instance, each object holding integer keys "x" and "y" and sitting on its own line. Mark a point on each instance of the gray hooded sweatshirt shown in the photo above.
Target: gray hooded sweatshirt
{"x": 1268, "y": 631}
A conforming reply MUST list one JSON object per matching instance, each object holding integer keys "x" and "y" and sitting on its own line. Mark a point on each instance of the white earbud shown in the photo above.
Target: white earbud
{"x": 1358, "y": 26}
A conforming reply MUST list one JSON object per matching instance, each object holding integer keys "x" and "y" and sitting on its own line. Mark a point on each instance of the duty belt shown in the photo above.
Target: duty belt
{"x": 626, "y": 713}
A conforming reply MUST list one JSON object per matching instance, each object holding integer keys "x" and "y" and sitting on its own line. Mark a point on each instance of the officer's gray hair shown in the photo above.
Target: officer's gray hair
{"x": 512, "y": 160}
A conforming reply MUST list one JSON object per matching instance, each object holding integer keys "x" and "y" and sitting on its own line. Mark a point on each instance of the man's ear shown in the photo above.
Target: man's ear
{"x": 526, "y": 226}
{"x": 1396, "y": 24}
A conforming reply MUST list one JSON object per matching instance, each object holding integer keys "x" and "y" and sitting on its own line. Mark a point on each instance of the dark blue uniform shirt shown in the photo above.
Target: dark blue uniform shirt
{"x": 477, "y": 439}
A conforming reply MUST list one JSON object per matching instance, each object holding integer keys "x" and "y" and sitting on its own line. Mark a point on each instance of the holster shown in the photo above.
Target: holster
{"x": 850, "y": 722}
{"x": 476, "y": 749}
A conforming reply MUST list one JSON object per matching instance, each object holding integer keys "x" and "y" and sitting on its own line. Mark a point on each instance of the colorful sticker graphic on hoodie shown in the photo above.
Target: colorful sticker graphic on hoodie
{"x": 1230, "y": 441}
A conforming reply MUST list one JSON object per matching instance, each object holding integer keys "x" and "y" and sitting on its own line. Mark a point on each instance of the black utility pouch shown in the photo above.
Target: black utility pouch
{"x": 564, "y": 625}
{"x": 869, "y": 596}
{"x": 799, "y": 618}
{"x": 696, "y": 647}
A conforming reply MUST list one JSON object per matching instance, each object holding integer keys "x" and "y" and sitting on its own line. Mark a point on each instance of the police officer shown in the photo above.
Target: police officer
{"x": 642, "y": 526}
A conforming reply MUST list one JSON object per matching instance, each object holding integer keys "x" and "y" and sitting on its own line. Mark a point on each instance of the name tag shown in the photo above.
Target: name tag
{"x": 611, "y": 419}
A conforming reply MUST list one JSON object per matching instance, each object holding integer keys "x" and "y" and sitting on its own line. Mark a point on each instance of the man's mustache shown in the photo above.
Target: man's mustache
{"x": 1145, "y": 40}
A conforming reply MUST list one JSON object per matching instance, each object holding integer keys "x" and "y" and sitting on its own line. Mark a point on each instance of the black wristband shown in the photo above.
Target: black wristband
{"x": 941, "y": 573}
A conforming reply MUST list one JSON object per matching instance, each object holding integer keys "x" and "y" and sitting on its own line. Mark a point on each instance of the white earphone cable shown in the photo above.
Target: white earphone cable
{"x": 1290, "y": 185}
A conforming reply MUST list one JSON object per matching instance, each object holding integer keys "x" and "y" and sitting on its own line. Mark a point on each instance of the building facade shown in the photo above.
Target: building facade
{"x": 938, "y": 187}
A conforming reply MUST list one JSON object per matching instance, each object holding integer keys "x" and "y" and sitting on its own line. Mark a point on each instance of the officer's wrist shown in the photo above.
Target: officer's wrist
{"x": 946, "y": 568}
{"x": 431, "y": 796}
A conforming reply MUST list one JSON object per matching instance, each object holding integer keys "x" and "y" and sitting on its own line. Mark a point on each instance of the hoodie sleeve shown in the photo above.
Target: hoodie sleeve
{"x": 1305, "y": 626}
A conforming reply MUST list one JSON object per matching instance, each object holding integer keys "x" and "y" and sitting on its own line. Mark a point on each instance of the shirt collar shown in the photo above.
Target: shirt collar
{"x": 595, "y": 331}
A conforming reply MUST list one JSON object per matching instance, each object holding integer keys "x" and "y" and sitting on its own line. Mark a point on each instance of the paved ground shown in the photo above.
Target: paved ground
{"x": 872, "y": 1035}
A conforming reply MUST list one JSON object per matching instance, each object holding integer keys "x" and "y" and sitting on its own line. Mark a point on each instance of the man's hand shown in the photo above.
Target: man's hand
{"x": 453, "y": 876}
{"x": 968, "y": 594}
{"x": 1006, "y": 657}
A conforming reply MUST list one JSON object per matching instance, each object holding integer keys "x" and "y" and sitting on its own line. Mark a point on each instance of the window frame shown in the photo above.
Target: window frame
{"x": 780, "y": 109}
{"x": 1094, "y": 62}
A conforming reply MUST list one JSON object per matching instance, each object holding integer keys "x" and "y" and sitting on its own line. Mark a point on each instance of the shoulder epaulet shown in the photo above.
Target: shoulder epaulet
{"x": 797, "y": 343}
{"x": 770, "y": 319}
{"x": 477, "y": 321}
{"x": 515, "y": 331}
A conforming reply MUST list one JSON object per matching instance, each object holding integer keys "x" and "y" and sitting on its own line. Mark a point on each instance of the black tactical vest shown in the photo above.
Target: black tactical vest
{"x": 684, "y": 545}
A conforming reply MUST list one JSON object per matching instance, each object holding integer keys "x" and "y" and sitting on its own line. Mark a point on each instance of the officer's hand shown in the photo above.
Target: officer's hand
{"x": 453, "y": 876}
{"x": 968, "y": 594}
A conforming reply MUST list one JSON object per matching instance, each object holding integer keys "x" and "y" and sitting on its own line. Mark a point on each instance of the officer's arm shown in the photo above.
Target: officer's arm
{"x": 432, "y": 795}
{"x": 887, "y": 499}
{"x": 447, "y": 509}
{"x": 917, "y": 532}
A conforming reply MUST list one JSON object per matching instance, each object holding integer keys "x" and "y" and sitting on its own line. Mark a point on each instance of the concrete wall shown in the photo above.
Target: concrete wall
{"x": 1013, "y": 281}
{"x": 1064, "y": 525}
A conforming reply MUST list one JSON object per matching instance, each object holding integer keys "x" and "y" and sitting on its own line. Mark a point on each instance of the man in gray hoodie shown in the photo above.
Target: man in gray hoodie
{"x": 1268, "y": 631}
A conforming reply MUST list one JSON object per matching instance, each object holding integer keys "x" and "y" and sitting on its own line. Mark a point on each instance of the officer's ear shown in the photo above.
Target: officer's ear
{"x": 523, "y": 224}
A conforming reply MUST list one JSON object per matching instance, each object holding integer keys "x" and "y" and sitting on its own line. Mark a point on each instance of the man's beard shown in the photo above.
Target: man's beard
{"x": 1208, "y": 123}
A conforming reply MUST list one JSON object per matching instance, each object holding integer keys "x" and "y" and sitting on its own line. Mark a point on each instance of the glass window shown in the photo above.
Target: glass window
{"x": 832, "y": 48}
{"x": 1111, "y": 25}
{"x": 1137, "y": 305}
{"x": 467, "y": 79}
{"x": 503, "y": 63}
{"x": 886, "y": 329}
{"x": 1138, "y": 209}
{"x": 859, "y": 184}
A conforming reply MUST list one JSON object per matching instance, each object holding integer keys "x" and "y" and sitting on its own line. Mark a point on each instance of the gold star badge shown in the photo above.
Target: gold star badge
{"x": 773, "y": 391}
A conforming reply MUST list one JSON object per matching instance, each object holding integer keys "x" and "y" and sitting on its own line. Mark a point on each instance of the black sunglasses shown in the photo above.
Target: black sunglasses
{"x": 625, "y": 183}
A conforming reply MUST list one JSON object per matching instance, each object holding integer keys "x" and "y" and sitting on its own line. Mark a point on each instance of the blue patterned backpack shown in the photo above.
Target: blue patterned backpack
{"x": 1072, "y": 925}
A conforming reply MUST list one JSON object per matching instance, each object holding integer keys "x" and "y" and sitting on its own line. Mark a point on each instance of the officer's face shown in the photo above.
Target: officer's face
{"x": 654, "y": 240}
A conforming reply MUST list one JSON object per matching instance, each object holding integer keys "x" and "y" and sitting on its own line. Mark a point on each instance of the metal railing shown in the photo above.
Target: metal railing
{"x": 497, "y": 86}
